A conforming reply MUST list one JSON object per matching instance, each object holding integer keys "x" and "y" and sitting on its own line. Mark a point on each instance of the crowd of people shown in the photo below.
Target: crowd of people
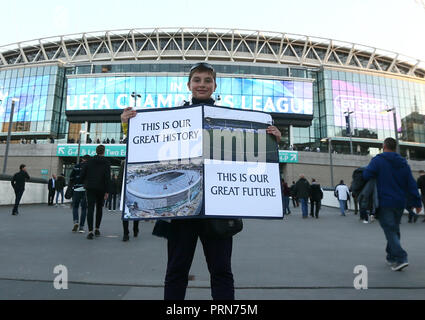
{"x": 392, "y": 183}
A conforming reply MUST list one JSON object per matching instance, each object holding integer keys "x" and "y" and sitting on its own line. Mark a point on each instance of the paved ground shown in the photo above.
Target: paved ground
{"x": 272, "y": 259}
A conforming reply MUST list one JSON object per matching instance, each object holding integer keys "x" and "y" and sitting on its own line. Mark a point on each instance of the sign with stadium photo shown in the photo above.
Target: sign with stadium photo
{"x": 201, "y": 161}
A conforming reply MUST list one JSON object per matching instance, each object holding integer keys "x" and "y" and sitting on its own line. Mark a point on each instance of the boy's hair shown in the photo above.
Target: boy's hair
{"x": 390, "y": 143}
{"x": 100, "y": 149}
{"x": 202, "y": 67}
{"x": 22, "y": 166}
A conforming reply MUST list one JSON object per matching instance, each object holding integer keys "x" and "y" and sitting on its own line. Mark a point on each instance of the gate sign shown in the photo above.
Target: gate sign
{"x": 71, "y": 150}
{"x": 200, "y": 160}
{"x": 288, "y": 156}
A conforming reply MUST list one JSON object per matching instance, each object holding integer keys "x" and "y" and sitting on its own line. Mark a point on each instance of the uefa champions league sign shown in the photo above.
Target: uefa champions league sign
{"x": 109, "y": 93}
{"x": 201, "y": 161}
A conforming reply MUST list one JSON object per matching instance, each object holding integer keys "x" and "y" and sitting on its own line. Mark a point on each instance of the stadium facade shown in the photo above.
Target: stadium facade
{"x": 315, "y": 88}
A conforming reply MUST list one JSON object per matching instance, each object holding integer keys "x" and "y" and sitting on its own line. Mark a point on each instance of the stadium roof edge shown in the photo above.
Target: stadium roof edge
{"x": 187, "y": 43}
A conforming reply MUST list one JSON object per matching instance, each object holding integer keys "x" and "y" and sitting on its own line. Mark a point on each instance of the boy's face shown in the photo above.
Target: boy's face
{"x": 202, "y": 85}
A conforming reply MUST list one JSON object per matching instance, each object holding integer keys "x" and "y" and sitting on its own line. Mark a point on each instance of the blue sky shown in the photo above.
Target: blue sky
{"x": 394, "y": 25}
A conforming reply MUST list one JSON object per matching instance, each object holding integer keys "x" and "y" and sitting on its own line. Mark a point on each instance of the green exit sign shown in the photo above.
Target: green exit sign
{"x": 288, "y": 156}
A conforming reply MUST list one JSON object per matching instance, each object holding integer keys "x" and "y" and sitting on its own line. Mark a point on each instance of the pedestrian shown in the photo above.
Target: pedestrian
{"x": 295, "y": 202}
{"x": 316, "y": 196}
{"x": 421, "y": 185}
{"x": 79, "y": 197}
{"x": 59, "y": 186}
{"x": 395, "y": 185}
{"x": 125, "y": 223}
{"x": 96, "y": 176}
{"x": 51, "y": 188}
{"x": 18, "y": 185}
{"x": 302, "y": 191}
{"x": 343, "y": 195}
{"x": 183, "y": 234}
{"x": 285, "y": 197}
{"x": 112, "y": 198}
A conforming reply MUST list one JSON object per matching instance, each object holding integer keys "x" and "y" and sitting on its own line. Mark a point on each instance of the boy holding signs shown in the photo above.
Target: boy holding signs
{"x": 184, "y": 234}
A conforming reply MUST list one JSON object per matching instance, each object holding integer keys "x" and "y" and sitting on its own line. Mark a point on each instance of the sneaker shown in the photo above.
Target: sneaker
{"x": 97, "y": 232}
{"x": 75, "y": 228}
{"x": 81, "y": 230}
{"x": 398, "y": 266}
{"x": 390, "y": 262}
{"x": 90, "y": 236}
{"x": 365, "y": 221}
{"x": 125, "y": 237}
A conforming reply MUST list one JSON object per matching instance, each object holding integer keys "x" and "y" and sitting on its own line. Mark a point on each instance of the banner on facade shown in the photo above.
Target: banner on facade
{"x": 201, "y": 161}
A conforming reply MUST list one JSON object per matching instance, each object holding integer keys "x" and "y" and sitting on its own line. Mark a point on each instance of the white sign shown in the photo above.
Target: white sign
{"x": 242, "y": 189}
{"x": 165, "y": 135}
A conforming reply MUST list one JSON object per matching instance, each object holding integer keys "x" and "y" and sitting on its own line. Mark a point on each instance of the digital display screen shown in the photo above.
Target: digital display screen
{"x": 32, "y": 94}
{"x": 368, "y": 111}
{"x": 109, "y": 93}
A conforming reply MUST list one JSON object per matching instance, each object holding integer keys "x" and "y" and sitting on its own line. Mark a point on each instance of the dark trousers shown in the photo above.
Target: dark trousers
{"x": 181, "y": 249}
{"x": 295, "y": 202}
{"x": 364, "y": 215}
{"x": 317, "y": 204}
{"x": 111, "y": 198}
{"x": 51, "y": 196}
{"x": 94, "y": 198}
{"x": 356, "y": 205}
{"x": 135, "y": 226}
{"x": 18, "y": 197}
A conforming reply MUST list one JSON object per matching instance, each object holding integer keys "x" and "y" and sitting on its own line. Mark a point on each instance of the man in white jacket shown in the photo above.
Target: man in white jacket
{"x": 343, "y": 194}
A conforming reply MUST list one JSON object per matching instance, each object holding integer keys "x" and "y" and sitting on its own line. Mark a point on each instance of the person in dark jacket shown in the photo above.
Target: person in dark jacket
{"x": 59, "y": 185}
{"x": 316, "y": 196}
{"x": 421, "y": 185}
{"x": 112, "y": 198}
{"x": 185, "y": 233}
{"x": 302, "y": 190}
{"x": 96, "y": 176}
{"x": 79, "y": 197}
{"x": 18, "y": 185}
{"x": 286, "y": 192}
{"x": 51, "y": 188}
{"x": 295, "y": 202}
{"x": 394, "y": 182}
{"x": 125, "y": 223}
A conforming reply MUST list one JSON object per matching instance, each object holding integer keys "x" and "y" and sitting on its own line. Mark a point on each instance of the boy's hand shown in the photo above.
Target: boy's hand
{"x": 274, "y": 131}
{"x": 418, "y": 210}
{"x": 127, "y": 114}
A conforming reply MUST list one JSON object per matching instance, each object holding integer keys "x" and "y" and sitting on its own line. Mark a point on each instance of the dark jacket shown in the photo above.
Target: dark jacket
{"x": 18, "y": 180}
{"x": 358, "y": 182}
{"x": 97, "y": 174}
{"x": 285, "y": 189}
{"x": 421, "y": 184}
{"x": 60, "y": 183}
{"x": 316, "y": 193}
{"x": 75, "y": 177}
{"x": 364, "y": 191}
{"x": 394, "y": 180}
{"x": 50, "y": 185}
{"x": 302, "y": 188}
{"x": 368, "y": 196}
